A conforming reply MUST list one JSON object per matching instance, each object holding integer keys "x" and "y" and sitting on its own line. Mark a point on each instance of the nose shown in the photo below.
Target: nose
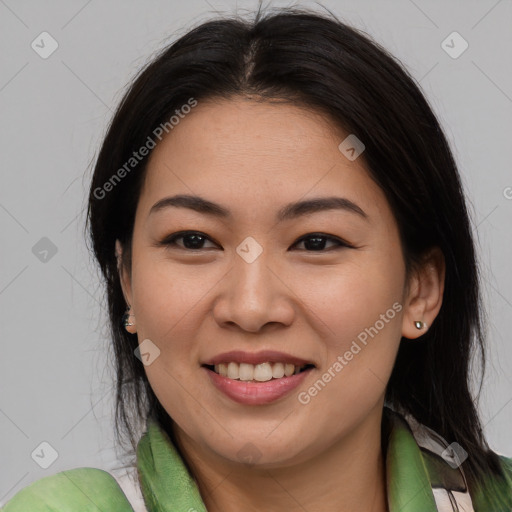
{"x": 253, "y": 295}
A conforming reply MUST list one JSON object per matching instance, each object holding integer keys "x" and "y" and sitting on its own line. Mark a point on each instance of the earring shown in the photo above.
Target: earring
{"x": 419, "y": 325}
{"x": 127, "y": 323}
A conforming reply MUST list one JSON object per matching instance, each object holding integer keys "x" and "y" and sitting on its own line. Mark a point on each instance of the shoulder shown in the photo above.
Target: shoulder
{"x": 496, "y": 492}
{"x": 81, "y": 489}
{"x": 506, "y": 464}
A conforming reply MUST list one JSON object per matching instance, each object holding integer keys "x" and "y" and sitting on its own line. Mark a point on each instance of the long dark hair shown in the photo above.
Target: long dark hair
{"x": 318, "y": 62}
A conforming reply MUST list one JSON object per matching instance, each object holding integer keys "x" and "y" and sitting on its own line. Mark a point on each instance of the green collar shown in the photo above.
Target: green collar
{"x": 167, "y": 485}
{"x": 416, "y": 470}
{"x": 165, "y": 481}
{"x": 407, "y": 478}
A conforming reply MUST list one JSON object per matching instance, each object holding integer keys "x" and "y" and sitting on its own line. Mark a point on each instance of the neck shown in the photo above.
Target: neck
{"x": 347, "y": 477}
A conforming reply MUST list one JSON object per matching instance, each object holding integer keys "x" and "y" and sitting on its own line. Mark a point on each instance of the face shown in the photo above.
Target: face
{"x": 325, "y": 286}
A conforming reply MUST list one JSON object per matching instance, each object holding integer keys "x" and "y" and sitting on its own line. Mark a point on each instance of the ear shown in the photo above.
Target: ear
{"x": 425, "y": 294}
{"x": 124, "y": 276}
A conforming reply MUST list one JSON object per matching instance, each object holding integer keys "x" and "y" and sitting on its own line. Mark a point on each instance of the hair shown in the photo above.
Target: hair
{"x": 316, "y": 62}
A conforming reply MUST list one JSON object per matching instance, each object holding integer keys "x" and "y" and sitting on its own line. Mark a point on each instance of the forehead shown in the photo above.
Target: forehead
{"x": 241, "y": 129}
{"x": 253, "y": 153}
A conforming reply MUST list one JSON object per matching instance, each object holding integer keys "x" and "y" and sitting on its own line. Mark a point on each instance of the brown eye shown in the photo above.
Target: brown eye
{"x": 195, "y": 240}
{"x": 192, "y": 240}
{"x": 316, "y": 242}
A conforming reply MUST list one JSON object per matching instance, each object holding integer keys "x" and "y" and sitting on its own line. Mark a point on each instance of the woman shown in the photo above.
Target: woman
{"x": 283, "y": 233}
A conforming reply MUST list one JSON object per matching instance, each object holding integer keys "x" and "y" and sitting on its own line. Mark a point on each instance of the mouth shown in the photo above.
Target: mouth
{"x": 262, "y": 372}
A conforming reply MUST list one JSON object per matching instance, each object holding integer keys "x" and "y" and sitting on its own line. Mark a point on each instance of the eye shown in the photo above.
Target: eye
{"x": 317, "y": 241}
{"x": 192, "y": 240}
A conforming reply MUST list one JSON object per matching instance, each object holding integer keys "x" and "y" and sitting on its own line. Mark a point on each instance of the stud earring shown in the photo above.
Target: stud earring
{"x": 127, "y": 319}
{"x": 419, "y": 325}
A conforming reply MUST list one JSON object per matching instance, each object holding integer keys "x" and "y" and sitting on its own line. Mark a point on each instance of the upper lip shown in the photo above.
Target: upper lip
{"x": 265, "y": 356}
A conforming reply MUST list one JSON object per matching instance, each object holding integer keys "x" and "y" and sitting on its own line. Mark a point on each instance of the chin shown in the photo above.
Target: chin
{"x": 261, "y": 452}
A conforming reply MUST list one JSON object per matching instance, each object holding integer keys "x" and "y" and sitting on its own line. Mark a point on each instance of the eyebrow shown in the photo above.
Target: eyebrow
{"x": 289, "y": 211}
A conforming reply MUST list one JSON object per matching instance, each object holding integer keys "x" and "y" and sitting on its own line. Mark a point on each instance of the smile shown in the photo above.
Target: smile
{"x": 262, "y": 372}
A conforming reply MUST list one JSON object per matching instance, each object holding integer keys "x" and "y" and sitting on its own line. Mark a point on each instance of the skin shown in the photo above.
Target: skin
{"x": 253, "y": 158}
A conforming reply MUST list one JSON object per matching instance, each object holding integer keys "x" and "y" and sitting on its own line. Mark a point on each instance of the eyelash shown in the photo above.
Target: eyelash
{"x": 170, "y": 240}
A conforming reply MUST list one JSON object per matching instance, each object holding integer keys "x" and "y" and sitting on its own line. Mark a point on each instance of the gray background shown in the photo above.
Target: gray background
{"x": 55, "y": 369}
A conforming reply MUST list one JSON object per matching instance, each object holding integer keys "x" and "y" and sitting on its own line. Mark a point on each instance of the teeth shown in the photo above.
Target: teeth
{"x": 278, "y": 370}
{"x": 245, "y": 371}
{"x": 233, "y": 371}
{"x": 289, "y": 369}
{"x": 261, "y": 372}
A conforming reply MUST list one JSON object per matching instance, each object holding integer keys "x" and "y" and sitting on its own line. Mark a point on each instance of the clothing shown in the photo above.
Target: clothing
{"x": 418, "y": 479}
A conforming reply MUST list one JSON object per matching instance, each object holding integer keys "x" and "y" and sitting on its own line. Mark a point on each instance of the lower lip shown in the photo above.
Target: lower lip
{"x": 256, "y": 393}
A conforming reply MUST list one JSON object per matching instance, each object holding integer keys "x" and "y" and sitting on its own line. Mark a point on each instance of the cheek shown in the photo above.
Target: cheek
{"x": 360, "y": 310}
{"x": 349, "y": 299}
{"x": 165, "y": 292}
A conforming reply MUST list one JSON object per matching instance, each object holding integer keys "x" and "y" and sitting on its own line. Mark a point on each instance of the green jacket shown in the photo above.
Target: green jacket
{"x": 419, "y": 479}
